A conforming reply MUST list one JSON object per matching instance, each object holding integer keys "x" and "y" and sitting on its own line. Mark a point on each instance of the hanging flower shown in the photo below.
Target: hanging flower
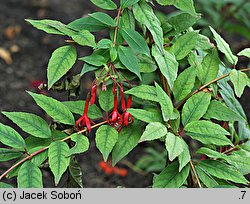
{"x": 123, "y": 102}
{"x": 127, "y": 117}
{"x": 115, "y": 118}
{"x": 84, "y": 121}
{"x": 93, "y": 94}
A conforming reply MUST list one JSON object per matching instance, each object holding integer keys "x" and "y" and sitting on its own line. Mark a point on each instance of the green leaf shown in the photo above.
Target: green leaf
{"x": 106, "y": 99}
{"x": 167, "y": 64}
{"x": 127, "y": 140}
{"x": 33, "y": 142}
{"x": 205, "y": 177}
{"x": 239, "y": 80}
{"x": 184, "y": 5}
{"x": 208, "y": 133}
{"x": 14, "y": 172}
{"x": 87, "y": 23}
{"x": 78, "y": 107}
{"x": 203, "y": 43}
{"x": 81, "y": 144}
{"x": 195, "y": 60}
{"x": 103, "y": 18}
{"x": 135, "y": 41}
{"x": 236, "y": 27}
{"x": 184, "y": 45}
{"x": 153, "y": 161}
{"x": 153, "y": 131}
{"x": 241, "y": 160}
{"x": 217, "y": 110}
{"x": 225, "y": 186}
{"x": 75, "y": 173}
{"x": 181, "y": 22}
{"x": 146, "y": 64}
{"x": 63, "y": 28}
{"x": 104, "y": 44}
{"x": 44, "y": 25}
{"x": 58, "y": 160}
{"x": 113, "y": 54}
{"x": 54, "y": 108}
{"x": 84, "y": 38}
{"x": 145, "y": 92}
{"x": 106, "y": 138}
{"x": 243, "y": 130}
{"x": 246, "y": 147}
{"x": 184, "y": 157}
{"x": 88, "y": 68}
{"x": 127, "y": 3}
{"x": 105, "y": 4}
{"x": 173, "y": 145}
{"x": 128, "y": 20}
{"x": 103, "y": 52}
{"x": 144, "y": 14}
{"x": 29, "y": 176}
{"x": 209, "y": 67}
{"x": 170, "y": 177}
{"x": 60, "y": 63}
{"x": 195, "y": 107}
{"x": 40, "y": 158}
{"x": 224, "y": 47}
{"x": 30, "y": 123}
{"x": 165, "y": 103}
{"x": 184, "y": 83}
{"x": 58, "y": 135}
{"x": 9, "y": 154}
{"x": 211, "y": 153}
{"x": 94, "y": 59}
{"x": 10, "y": 137}
{"x": 147, "y": 116}
{"x": 129, "y": 60}
{"x": 5, "y": 185}
{"x": 175, "y": 120}
{"x": 228, "y": 96}
{"x": 222, "y": 171}
{"x": 245, "y": 52}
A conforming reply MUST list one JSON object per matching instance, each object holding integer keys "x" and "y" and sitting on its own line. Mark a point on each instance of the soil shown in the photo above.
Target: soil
{"x": 30, "y": 51}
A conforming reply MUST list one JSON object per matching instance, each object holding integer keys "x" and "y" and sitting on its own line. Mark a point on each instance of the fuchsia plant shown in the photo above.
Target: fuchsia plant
{"x": 184, "y": 90}
{"x": 115, "y": 119}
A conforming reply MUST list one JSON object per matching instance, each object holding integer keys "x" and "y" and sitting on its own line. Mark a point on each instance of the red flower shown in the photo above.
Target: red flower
{"x": 127, "y": 117}
{"x": 115, "y": 118}
{"x": 123, "y": 102}
{"x": 93, "y": 94}
{"x": 108, "y": 169}
{"x": 84, "y": 121}
{"x": 119, "y": 171}
{"x": 129, "y": 102}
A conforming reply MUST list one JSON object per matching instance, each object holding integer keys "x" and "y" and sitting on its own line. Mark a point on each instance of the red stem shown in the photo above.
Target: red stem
{"x": 22, "y": 161}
